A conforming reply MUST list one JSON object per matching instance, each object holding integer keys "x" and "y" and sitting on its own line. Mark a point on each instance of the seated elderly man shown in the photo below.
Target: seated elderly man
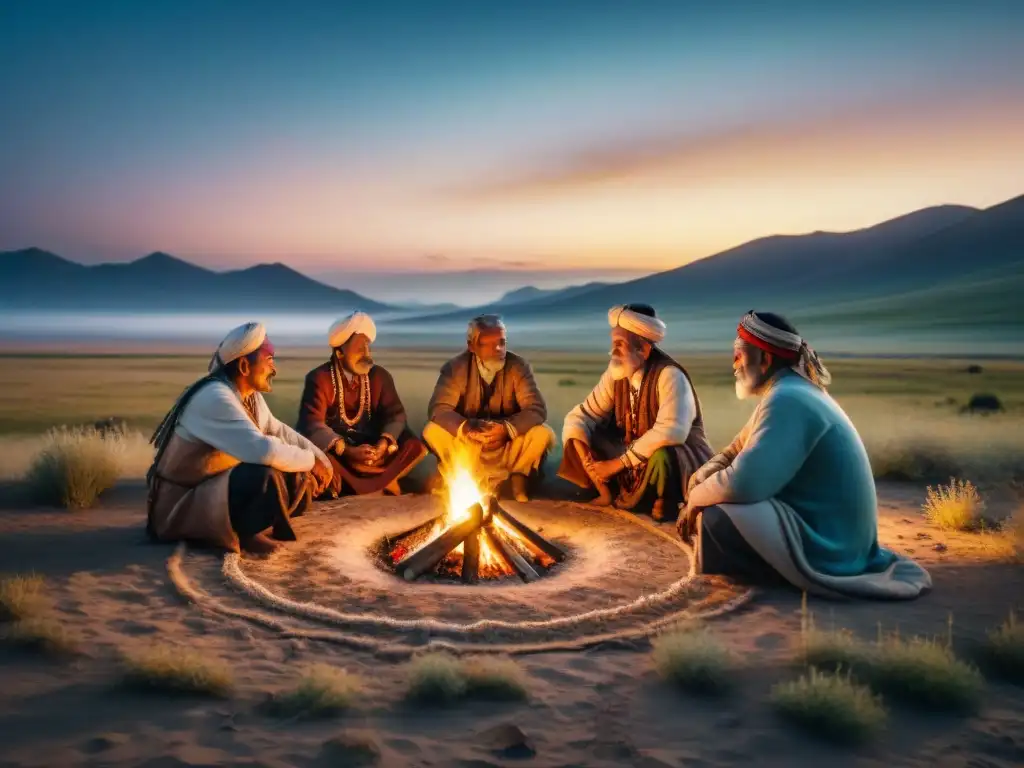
{"x": 226, "y": 470}
{"x": 351, "y": 410}
{"x": 793, "y": 497}
{"x": 641, "y": 427}
{"x": 486, "y": 401}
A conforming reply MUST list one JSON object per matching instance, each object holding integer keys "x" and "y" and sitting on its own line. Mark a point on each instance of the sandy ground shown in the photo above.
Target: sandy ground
{"x": 595, "y": 707}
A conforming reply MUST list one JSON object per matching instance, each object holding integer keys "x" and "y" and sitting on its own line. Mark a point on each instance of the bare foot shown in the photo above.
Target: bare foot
{"x": 519, "y": 488}
{"x": 604, "y": 496}
{"x": 259, "y": 545}
{"x": 393, "y": 488}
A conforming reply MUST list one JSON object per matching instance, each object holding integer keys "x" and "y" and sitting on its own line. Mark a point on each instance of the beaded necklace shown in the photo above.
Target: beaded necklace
{"x": 364, "y": 397}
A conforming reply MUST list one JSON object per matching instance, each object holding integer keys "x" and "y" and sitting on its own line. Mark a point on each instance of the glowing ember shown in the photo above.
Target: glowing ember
{"x": 505, "y": 546}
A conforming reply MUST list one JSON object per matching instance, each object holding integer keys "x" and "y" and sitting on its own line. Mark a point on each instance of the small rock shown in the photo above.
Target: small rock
{"x": 907, "y": 520}
{"x": 922, "y": 536}
{"x": 940, "y": 547}
{"x": 243, "y": 633}
{"x": 349, "y": 749}
{"x": 508, "y": 740}
{"x": 899, "y": 535}
{"x": 295, "y": 647}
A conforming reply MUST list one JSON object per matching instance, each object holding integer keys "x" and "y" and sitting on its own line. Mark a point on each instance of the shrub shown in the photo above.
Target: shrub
{"x": 43, "y": 634}
{"x": 830, "y": 705}
{"x": 21, "y": 597}
{"x": 567, "y": 382}
{"x": 956, "y": 507}
{"x": 495, "y": 678}
{"x": 322, "y": 690}
{"x": 176, "y": 670}
{"x": 693, "y": 659}
{"x": 925, "y": 674}
{"x": 436, "y": 678}
{"x": 1003, "y": 651}
{"x": 914, "y": 460}
{"x": 75, "y": 466}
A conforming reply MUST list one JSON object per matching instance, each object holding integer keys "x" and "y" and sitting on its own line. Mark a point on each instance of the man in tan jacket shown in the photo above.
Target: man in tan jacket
{"x": 486, "y": 402}
{"x": 226, "y": 470}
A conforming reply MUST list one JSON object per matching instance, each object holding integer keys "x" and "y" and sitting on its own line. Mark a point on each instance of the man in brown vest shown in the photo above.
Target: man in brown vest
{"x": 640, "y": 429}
{"x": 226, "y": 470}
{"x": 486, "y": 405}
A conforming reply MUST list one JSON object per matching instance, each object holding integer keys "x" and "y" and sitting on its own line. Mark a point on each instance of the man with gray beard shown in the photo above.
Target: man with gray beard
{"x": 792, "y": 499}
{"x": 641, "y": 428}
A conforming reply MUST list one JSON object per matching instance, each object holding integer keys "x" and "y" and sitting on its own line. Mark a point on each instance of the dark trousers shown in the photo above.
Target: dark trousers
{"x": 722, "y": 550}
{"x": 261, "y": 497}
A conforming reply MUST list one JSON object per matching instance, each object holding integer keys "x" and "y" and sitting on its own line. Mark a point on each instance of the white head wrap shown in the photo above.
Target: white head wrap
{"x": 789, "y": 346}
{"x": 650, "y": 328}
{"x": 349, "y": 326}
{"x": 239, "y": 342}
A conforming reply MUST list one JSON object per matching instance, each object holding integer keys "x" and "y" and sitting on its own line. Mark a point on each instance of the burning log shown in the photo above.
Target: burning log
{"x": 500, "y": 544}
{"x": 471, "y": 558}
{"x": 426, "y": 558}
{"x": 550, "y": 549}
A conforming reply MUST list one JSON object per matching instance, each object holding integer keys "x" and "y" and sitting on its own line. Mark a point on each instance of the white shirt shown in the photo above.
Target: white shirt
{"x": 215, "y": 416}
{"x": 677, "y": 409}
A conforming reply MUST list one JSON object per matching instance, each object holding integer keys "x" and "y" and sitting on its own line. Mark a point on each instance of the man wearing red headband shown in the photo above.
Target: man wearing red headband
{"x": 792, "y": 498}
{"x": 226, "y": 470}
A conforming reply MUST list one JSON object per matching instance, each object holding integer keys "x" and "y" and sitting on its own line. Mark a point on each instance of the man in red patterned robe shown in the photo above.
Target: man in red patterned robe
{"x": 351, "y": 410}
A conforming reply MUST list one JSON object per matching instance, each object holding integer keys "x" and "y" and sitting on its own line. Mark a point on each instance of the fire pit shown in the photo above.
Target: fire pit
{"x": 475, "y": 538}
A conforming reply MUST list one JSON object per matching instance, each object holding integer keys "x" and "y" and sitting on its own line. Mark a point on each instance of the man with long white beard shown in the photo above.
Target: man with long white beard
{"x": 641, "y": 427}
{"x": 226, "y": 470}
{"x": 792, "y": 499}
{"x": 486, "y": 404}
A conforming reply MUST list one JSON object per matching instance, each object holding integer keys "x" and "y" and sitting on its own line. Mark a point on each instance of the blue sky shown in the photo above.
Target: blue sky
{"x": 590, "y": 138}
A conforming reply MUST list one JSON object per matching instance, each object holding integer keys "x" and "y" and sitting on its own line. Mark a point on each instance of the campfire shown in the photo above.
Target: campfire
{"x": 474, "y": 538}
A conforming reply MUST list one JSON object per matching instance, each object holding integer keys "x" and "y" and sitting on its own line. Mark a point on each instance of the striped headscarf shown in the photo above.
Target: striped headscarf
{"x": 790, "y": 347}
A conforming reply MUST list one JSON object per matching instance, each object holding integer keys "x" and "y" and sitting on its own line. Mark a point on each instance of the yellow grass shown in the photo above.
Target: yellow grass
{"x": 441, "y": 678}
{"x": 955, "y": 507}
{"x": 44, "y": 634}
{"x": 906, "y": 410}
{"x": 830, "y": 706}
{"x": 1003, "y": 651}
{"x": 177, "y": 670}
{"x": 693, "y": 659}
{"x": 72, "y": 467}
{"x": 21, "y": 597}
{"x": 322, "y": 690}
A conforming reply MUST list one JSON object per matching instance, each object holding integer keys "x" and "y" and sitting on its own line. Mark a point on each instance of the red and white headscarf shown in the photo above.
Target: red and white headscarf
{"x": 790, "y": 347}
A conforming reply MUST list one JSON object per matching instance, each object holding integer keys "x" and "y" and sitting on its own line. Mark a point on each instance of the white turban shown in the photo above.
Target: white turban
{"x": 239, "y": 342}
{"x": 650, "y": 328}
{"x": 349, "y": 326}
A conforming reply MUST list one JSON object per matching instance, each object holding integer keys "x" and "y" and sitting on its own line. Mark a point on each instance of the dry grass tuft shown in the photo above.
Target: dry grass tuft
{"x": 176, "y": 670}
{"x": 834, "y": 649}
{"x": 440, "y": 678}
{"x": 924, "y": 673}
{"x": 323, "y": 690}
{"x": 74, "y": 466}
{"x": 21, "y": 597}
{"x": 1003, "y": 651}
{"x": 831, "y": 706}
{"x": 495, "y": 678}
{"x": 955, "y": 507}
{"x": 42, "y": 634}
{"x": 693, "y": 659}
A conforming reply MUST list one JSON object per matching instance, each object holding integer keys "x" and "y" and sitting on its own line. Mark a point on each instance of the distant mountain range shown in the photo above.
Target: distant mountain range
{"x": 924, "y": 258}
{"x": 37, "y": 279}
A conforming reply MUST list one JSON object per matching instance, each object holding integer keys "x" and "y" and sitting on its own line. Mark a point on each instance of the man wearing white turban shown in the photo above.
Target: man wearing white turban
{"x": 351, "y": 410}
{"x": 487, "y": 407}
{"x": 792, "y": 499}
{"x": 226, "y": 470}
{"x": 641, "y": 427}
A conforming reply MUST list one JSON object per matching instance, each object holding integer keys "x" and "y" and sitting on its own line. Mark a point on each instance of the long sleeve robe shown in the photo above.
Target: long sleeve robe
{"x": 677, "y": 410}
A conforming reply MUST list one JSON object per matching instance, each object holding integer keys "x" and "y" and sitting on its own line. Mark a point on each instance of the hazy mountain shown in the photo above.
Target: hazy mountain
{"x": 915, "y": 253}
{"x": 530, "y": 294}
{"x": 36, "y": 279}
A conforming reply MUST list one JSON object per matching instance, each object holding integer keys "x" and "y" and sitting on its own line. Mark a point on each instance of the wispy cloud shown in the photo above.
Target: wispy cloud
{"x": 875, "y": 134}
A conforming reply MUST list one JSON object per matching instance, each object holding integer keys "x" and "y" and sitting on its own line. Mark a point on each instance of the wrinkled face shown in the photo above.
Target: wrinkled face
{"x": 490, "y": 347}
{"x": 750, "y": 367}
{"x": 355, "y": 355}
{"x": 258, "y": 370}
{"x": 627, "y": 354}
